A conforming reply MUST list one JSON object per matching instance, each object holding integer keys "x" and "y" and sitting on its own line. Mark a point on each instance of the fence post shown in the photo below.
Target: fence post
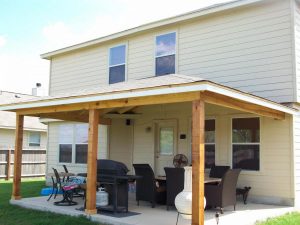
{"x": 8, "y": 159}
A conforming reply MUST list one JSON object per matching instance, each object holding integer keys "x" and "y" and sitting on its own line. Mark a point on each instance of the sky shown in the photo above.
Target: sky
{"x": 29, "y": 28}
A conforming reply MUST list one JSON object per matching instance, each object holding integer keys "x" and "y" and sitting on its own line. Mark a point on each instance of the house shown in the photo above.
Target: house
{"x": 34, "y": 139}
{"x": 234, "y": 66}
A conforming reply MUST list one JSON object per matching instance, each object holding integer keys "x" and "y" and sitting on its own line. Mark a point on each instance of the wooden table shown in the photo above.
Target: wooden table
{"x": 206, "y": 179}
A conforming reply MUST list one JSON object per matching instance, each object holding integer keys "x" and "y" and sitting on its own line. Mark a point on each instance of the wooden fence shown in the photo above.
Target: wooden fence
{"x": 33, "y": 163}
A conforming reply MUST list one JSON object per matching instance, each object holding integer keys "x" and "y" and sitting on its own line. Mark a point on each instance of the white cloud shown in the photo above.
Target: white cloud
{"x": 2, "y": 41}
{"x": 19, "y": 73}
{"x": 133, "y": 13}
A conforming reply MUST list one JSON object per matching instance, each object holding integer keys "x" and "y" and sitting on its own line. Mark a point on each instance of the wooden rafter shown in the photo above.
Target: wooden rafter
{"x": 105, "y": 111}
{"x": 126, "y": 109}
{"x": 225, "y": 101}
{"x": 75, "y": 116}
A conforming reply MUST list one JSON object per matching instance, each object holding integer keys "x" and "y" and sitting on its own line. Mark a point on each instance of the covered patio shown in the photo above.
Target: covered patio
{"x": 92, "y": 106}
{"x": 245, "y": 214}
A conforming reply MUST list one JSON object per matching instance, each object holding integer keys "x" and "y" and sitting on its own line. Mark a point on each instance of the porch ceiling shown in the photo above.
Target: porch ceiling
{"x": 125, "y": 97}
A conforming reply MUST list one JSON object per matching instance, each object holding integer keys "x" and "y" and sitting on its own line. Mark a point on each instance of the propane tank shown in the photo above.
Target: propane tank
{"x": 101, "y": 197}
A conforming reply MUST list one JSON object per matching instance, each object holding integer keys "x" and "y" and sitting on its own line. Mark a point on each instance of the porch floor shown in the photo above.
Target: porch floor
{"x": 244, "y": 214}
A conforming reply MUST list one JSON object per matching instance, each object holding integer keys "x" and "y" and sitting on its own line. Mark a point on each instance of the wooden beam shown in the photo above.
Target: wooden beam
{"x": 8, "y": 159}
{"x": 126, "y": 109}
{"x": 92, "y": 162}
{"x": 16, "y": 193}
{"x": 128, "y": 102}
{"x": 232, "y": 103}
{"x": 73, "y": 116}
{"x": 104, "y": 111}
{"x": 198, "y": 120}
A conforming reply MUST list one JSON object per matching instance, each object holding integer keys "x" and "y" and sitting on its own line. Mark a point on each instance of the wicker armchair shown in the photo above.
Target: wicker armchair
{"x": 223, "y": 194}
{"x": 146, "y": 187}
{"x": 175, "y": 184}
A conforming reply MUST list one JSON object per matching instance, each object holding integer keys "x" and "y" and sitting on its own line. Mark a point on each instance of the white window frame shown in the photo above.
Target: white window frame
{"x": 176, "y": 50}
{"x": 29, "y": 142}
{"x": 254, "y": 143}
{"x": 125, "y": 63}
{"x": 73, "y": 161}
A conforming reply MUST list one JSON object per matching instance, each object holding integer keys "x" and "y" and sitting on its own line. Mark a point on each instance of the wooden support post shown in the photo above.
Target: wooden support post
{"x": 92, "y": 162}
{"x": 198, "y": 120}
{"x": 16, "y": 193}
{"x": 8, "y": 159}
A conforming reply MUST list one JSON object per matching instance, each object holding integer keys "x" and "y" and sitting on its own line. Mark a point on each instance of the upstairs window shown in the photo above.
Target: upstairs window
{"x": 34, "y": 139}
{"x": 246, "y": 143}
{"x": 117, "y": 59}
{"x": 165, "y": 54}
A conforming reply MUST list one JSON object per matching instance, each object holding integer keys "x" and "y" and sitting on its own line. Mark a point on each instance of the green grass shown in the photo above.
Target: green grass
{"x": 287, "y": 219}
{"x": 11, "y": 215}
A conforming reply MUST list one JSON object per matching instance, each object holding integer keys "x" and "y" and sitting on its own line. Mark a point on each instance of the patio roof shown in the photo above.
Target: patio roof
{"x": 154, "y": 90}
{"x": 90, "y": 105}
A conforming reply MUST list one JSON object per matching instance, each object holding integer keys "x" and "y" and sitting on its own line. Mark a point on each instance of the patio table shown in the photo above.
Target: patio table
{"x": 206, "y": 179}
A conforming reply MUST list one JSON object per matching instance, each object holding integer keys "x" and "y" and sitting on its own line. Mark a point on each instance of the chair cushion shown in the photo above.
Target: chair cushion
{"x": 70, "y": 187}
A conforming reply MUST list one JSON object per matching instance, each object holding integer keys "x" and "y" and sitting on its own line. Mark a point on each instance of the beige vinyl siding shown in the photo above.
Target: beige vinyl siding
{"x": 7, "y": 139}
{"x": 297, "y": 45}
{"x": 121, "y": 141}
{"x": 53, "y": 152}
{"x": 249, "y": 48}
{"x": 275, "y": 148}
{"x": 296, "y": 169}
{"x": 79, "y": 70}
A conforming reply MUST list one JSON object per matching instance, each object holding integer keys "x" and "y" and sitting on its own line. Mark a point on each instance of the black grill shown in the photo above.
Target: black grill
{"x": 112, "y": 175}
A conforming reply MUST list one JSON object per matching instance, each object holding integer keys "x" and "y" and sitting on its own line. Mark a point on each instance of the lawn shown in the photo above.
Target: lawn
{"x": 11, "y": 215}
{"x": 287, "y": 219}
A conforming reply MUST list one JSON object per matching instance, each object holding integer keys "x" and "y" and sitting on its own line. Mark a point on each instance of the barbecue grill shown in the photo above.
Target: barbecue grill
{"x": 112, "y": 175}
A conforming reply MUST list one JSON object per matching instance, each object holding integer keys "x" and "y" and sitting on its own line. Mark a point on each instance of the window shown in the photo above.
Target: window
{"x": 81, "y": 143}
{"x": 245, "y": 143}
{"x": 73, "y": 141}
{"x": 117, "y": 58}
{"x": 210, "y": 143}
{"x": 65, "y": 143}
{"x": 166, "y": 140}
{"x": 35, "y": 139}
{"x": 165, "y": 54}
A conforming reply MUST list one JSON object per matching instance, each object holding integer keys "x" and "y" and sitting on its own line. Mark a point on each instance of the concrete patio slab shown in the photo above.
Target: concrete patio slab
{"x": 244, "y": 214}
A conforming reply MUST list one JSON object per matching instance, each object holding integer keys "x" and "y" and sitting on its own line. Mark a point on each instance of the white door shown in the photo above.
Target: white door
{"x": 166, "y": 145}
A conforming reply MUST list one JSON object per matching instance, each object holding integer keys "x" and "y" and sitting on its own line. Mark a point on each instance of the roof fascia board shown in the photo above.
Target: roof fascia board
{"x": 25, "y": 128}
{"x": 251, "y": 99}
{"x": 163, "y": 22}
{"x": 172, "y": 90}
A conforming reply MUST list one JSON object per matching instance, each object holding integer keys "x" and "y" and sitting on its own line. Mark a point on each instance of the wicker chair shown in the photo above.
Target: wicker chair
{"x": 223, "y": 194}
{"x": 175, "y": 184}
{"x": 146, "y": 187}
{"x": 218, "y": 171}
